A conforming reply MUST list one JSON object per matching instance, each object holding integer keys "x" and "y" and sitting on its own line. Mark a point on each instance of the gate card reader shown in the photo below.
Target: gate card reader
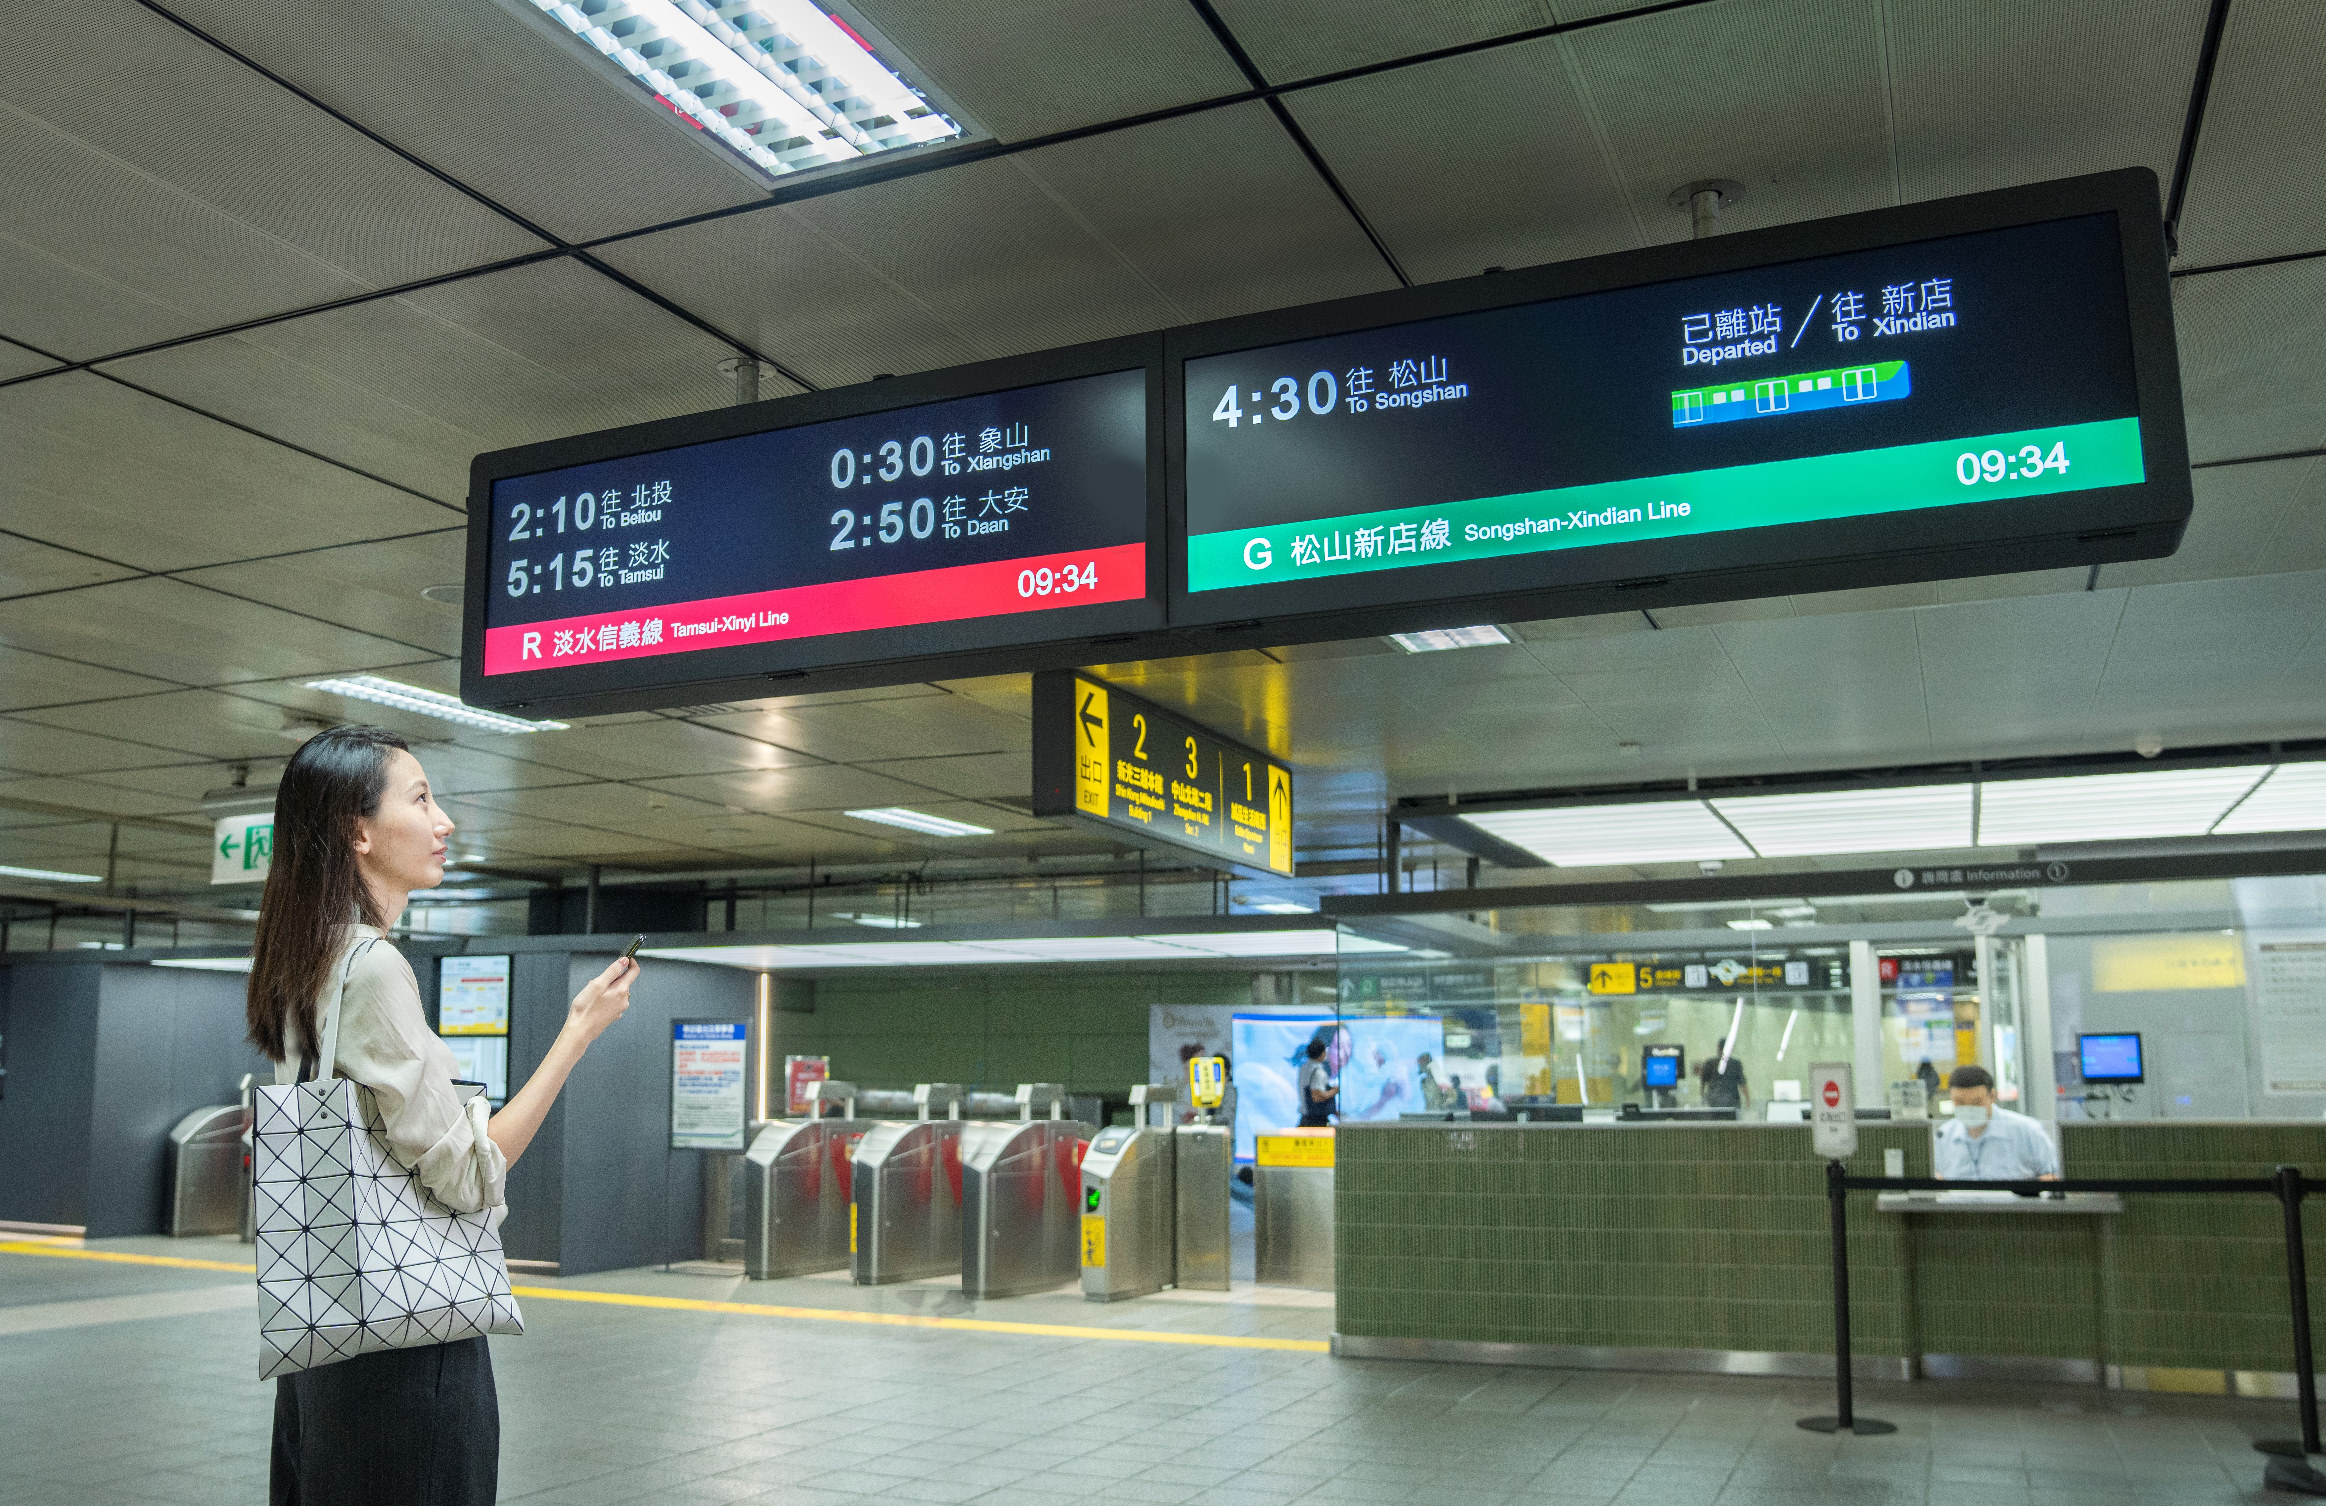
{"x": 1128, "y": 1191}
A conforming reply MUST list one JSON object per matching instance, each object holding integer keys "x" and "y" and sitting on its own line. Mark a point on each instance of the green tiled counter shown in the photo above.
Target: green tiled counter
{"x": 1706, "y": 1246}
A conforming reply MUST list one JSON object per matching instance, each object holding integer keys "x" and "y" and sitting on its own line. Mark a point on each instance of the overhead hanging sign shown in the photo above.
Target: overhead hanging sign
{"x": 1946, "y": 389}
{"x": 1107, "y": 756}
{"x": 242, "y": 848}
{"x": 990, "y": 508}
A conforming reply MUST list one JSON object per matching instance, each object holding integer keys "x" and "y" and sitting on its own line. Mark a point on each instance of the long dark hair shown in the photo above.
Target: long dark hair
{"x": 314, "y": 889}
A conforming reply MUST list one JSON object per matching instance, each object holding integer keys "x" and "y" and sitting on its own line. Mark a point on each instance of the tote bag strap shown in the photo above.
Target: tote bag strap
{"x": 328, "y": 1056}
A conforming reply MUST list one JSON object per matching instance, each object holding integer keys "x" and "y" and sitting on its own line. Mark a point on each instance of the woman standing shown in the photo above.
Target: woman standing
{"x": 356, "y": 832}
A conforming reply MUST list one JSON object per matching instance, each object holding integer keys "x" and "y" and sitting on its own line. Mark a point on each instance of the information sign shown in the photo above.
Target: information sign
{"x": 1833, "y": 1111}
{"x": 709, "y": 1062}
{"x": 798, "y": 1072}
{"x": 990, "y": 507}
{"x": 1942, "y": 389}
{"x": 472, "y": 996}
{"x": 1105, "y": 755}
{"x": 242, "y": 848}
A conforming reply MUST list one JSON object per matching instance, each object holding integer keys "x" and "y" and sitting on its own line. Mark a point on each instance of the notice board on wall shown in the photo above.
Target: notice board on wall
{"x": 710, "y": 1077}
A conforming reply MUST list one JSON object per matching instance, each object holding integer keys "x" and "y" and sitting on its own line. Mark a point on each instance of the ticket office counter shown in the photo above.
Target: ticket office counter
{"x": 1675, "y": 1246}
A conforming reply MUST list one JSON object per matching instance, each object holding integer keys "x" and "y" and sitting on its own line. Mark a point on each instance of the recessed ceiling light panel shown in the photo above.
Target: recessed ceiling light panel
{"x": 1436, "y": 640}
{"x": 920, "y": 821}
{"x": 1589, "y": 836}
{"x": 429, "y": 703}
{"x": 2293, "y": 798}
{"x": 786, "y": 85}
{"x": 1908, "y": 819}
{"x": 49, "y": 875}
{"x": 2110, "y": 807}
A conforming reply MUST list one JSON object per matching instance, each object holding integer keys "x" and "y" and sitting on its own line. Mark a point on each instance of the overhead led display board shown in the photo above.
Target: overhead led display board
{"x": 1106, "y": 756}
{"x": 1975, "y": 385}
{"x": 960, "y": 521}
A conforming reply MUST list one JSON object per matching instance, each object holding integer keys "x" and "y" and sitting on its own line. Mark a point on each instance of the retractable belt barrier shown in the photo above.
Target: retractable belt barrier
{"x": 2290, "y": 1467}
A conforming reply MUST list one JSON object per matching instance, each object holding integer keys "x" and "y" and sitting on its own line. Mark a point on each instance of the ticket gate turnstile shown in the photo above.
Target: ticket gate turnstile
{"x": 1128, "y": 1195}
{"x": 1203, "y": 1157}
{"x": 797, "y": 1183}
{"x": 1019, "y": 1186}
{"x": 904, "y": 1210}
{"x": 206, "y": 1171}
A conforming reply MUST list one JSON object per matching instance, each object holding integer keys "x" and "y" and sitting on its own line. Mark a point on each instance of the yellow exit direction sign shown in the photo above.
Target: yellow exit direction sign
{"x": 1151, "y": 774}
{"x": 1614, "y": 978}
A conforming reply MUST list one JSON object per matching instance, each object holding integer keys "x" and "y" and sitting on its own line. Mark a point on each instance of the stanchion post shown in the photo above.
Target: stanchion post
{"x": 2290, "y": 1468}
{"x": 1834, "y": 1134}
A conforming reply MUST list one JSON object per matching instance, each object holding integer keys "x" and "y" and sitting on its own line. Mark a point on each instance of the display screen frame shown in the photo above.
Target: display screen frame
{"x": 1052, "y": 637}
{"x": 1655, "y": 1057}
{"x": 2136, "y": 521}
{"x": 2084, "y": 1044}
{"x": 457, "y": 962}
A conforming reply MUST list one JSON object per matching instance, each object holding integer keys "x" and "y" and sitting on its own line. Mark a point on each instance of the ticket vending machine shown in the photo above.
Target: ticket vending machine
{"x": 904, "y": 1210}
{"x": 1129, "y": 1188}
{"x": 1203, "y": 1157}
{"x": 1019, "y": 1185}
{"x": 796, "y": 1188}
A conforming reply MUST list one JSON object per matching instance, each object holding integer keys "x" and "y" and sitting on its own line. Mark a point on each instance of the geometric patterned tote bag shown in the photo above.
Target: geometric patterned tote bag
{"x": 354, "y": 1254}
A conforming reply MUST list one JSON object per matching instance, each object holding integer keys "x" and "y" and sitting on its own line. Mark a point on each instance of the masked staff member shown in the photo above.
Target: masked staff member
{"x": 1983, "y": 1143}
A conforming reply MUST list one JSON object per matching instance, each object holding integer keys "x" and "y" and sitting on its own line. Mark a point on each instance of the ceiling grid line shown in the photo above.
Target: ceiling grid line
{"x": 2193, "y": 124}
{"x": 172, "y": 574}
{"x": 1609, "y": 159}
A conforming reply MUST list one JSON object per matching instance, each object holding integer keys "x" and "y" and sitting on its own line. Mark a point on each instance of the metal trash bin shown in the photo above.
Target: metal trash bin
{"x": 207, "y": 1178}
{"x": 1128, "y": 1190}
{"x": 904, "y": 1210}
{"x": 1019, "y": 1186}
{"x": 796, "y": 1189}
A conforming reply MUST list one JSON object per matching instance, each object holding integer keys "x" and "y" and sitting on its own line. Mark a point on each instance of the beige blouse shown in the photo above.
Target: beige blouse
{"x": 385, "y": 1045}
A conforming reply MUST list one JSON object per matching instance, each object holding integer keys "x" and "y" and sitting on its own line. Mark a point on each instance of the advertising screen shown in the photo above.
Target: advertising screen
{"x": 1926, "y": 393}
{"x": 1663, "y": 1066}
{"x": 472, "y": 996}
{"x": 1375, "y": 1061}
{"x": 987, "y": 519}
{"x": 2109, "y": 1058}
{"x": 482, "y": 1058}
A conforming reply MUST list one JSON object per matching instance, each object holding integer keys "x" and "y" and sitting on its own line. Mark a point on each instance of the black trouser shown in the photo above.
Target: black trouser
{"x": 1316, "y": 1119}
{"x": 403, "y": 1427}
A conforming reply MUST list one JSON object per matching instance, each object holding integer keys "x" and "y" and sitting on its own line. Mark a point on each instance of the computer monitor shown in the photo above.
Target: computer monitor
{"x": 2110, "y": 1058}
{"x": 1662, "y": 1066}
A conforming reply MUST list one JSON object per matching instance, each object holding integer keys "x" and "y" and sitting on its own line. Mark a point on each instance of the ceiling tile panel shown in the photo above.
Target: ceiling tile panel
{"x": 1833, "y": 678}
{"x": 203, "y": 723}
{"x": 97, "y": 467}
{"x": 16, "y": 361}
{"x": 2255, "y": 188}
{"x": 506, "y": 103}
{"x": 31, "y": 747}
{"x": 821, "y": 787}
{"x": 976, "y": 776}
{"x": 660, "y": 746}
{"x": 414, "y": 388}
{"x": 1999, "y": 671}
{"x": 183, "y": 633}
{"x": 174, "y": 174}
{"x": 373, "y": 587}
{"x": 27, "y": 567}
{"x": 2251, "y": 379}
{"x": 1784, "y": 99}
{"x": 1444, "y": 194}
{"x": 88, "y": 795}
{"x": 1025, "y": 68}
{"x": 1992, "y": 94}
{"x": 2221, "y": 658}
{"x": 857, "y": 731}
{"x": 1176, "y": 200}
{"x": 29, "y": 679}
{"x": 1296, "y": 39}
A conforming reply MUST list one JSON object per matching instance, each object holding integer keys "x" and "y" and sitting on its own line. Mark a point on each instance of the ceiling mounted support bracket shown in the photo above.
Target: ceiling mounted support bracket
{"x": 1704, "y": 200}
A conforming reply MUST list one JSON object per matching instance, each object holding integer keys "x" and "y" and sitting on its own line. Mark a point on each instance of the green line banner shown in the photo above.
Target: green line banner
{"x": 1902, "y": 478}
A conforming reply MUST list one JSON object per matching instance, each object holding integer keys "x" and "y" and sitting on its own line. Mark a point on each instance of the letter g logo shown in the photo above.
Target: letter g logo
{"x": 1257, "y": 554}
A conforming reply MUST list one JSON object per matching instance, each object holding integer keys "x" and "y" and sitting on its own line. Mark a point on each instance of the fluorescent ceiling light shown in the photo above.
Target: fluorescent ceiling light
{"x": 2293, "y": 798}
{"x": 1194, "y": 947}
{"x": 2110, "y": 807}
{"x": 1908, "y": 819}
{"x": 921, "y": 821}
{"x": 1087, "y": 949}
{"x": 428, "y": 703}
{"x": 880, "y": 922}
{"x": 207, "y": 964}
{"x": 1436, "y": 640}
{"x": 781, "y": 83}
{"x": 1279, "y": 907}
{"x": 1752, "y": 923}
{"x": 1587, "y": 836}
{"x": 50, "y": 875}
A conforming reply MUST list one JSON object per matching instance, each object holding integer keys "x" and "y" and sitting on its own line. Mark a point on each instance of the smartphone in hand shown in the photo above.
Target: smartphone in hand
{"x": 630, "y": 952}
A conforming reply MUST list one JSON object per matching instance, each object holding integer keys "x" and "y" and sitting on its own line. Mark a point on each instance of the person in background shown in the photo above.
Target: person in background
{"x": 1435, "y": 1096}
{"x": 1983, "y": 1143}
{"x": 1927, "y": 1075}
{"x": 1721, "y": 1080}
{"x": 1319, "y": 1094}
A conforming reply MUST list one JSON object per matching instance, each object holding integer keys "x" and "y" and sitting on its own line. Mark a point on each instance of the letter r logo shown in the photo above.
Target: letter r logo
{"x": 1257, "y": 554}
{"x": 531, "y": 648}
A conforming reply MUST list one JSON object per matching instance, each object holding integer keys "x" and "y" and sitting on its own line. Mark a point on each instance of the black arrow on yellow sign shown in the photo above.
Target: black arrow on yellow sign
{"x": 1089, "y": 721}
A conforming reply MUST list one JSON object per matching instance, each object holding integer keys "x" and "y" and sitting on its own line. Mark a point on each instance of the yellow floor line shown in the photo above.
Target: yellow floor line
{"x": 754, "y": 1309}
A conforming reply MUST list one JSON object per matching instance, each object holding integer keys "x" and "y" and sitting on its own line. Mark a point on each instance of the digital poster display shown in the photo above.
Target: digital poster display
{"x": 988, "y": 519}
{"x": 1923, "y": 393}
{"x": 472, "y": 996}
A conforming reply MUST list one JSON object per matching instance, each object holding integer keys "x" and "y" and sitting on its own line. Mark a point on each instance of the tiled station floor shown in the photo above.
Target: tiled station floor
{"x": 128, "y": 1382}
